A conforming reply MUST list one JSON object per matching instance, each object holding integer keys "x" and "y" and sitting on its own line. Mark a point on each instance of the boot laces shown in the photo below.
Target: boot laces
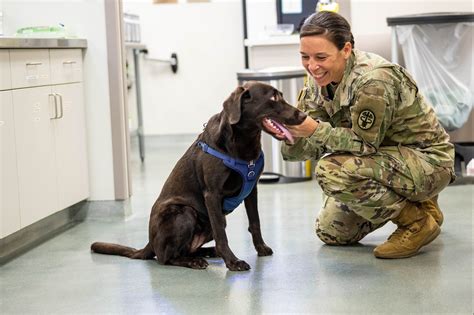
{"x": 403, "y": 233}
{"x": 399, "y": 233}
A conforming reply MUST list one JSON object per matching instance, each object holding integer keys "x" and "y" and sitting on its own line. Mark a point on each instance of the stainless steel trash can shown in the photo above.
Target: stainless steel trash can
{"x": 289, "y": 80}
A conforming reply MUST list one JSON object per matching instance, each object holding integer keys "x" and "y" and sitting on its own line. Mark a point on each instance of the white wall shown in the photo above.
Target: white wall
{"x": 260, "y": 13}
{"x": 208, "y": 40}
{"x": 87, "y": 20}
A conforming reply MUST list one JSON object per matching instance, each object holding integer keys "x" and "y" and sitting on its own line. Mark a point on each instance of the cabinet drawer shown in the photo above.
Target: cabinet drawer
{"x": 66, "y": 65}
{"x": 29, "y": 67}
{"x": 5, "y": 75}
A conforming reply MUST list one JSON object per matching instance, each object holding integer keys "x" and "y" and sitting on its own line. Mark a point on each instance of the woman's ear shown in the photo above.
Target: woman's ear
{"x": 347, "y": 50}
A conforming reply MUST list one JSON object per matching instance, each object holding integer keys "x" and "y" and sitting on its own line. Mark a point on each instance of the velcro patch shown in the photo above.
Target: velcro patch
{"x": 366, "y": 119}
{"x": 372, "y": 90}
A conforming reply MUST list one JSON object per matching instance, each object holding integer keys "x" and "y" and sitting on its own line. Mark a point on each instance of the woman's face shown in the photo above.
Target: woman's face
{"x": 323, "y": 60}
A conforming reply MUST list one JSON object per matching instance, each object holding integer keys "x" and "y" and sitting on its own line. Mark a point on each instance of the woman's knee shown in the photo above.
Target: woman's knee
{"x": 330, "y": 235}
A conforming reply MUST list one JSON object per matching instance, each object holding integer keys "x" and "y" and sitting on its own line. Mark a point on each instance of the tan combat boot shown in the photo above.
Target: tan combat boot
{"x": 431, "y": 206}
{"x": 416, "y": 228}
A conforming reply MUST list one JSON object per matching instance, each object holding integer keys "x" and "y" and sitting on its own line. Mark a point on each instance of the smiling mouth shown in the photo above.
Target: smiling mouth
{"x": 277, "y": 128}
{"x": 320, "y": 75}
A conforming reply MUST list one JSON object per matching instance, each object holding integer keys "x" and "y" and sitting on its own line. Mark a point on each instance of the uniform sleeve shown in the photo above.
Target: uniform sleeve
{"x": 371, "y": 116}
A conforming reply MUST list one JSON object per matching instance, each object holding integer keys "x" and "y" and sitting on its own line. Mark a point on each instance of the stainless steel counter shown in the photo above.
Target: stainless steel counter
{"x": 16, "y": 42}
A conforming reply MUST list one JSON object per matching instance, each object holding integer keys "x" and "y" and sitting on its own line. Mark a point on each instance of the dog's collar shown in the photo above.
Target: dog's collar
{"x": 249, "y": 171}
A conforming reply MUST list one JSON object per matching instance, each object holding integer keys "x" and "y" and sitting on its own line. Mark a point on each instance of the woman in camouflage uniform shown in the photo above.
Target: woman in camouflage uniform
{"x": 381, "y": 153}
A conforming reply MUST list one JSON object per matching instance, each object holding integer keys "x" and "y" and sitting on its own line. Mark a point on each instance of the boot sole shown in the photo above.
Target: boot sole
{"x": 431, "y": 238}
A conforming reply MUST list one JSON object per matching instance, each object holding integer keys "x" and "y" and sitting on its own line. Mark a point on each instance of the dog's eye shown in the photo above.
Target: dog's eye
{"x": 276, "y": 96}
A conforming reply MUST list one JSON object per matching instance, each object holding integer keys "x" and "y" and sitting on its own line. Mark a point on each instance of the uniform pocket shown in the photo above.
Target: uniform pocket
{"x": 421, "y": 172}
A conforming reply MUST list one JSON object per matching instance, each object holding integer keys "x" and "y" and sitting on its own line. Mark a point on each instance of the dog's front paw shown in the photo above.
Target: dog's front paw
{"x": 263, "y": 250}
{"x": 198, "y": 263}
{"x": 238, "y": 265}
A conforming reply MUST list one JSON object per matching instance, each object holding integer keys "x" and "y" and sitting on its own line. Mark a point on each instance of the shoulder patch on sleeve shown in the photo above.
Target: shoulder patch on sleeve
{"x": 372, "y": 90}
{"x": 367, "y": 116}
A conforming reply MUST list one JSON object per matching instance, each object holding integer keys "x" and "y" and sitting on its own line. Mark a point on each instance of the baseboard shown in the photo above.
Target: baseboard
{"x": 39, "y": 232}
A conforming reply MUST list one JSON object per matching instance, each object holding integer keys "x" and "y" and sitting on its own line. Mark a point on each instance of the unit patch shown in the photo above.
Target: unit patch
{"x": 366, "y": 119}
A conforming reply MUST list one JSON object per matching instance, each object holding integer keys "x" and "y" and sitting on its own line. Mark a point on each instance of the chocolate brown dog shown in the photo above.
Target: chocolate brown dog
{"x": 219, "y": 170}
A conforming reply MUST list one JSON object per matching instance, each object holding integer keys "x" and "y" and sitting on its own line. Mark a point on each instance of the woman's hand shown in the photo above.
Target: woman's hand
{"x": 303, "y": 130}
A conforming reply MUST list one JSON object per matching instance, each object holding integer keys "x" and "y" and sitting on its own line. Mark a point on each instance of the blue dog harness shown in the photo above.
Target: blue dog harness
{"x": 249, "y": 171}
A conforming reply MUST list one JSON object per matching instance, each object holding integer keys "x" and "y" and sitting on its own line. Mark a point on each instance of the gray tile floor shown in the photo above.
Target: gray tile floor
{"x": 61, "y": 276}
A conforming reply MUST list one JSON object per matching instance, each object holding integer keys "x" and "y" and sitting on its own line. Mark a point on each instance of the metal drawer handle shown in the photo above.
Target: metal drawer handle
{"x": 60, "y": 105}
{"x": 34, "y": 63}
{"x": 70, "y": 62}
{"x": 55, "y": 105}
{"x": 57, "y": 96}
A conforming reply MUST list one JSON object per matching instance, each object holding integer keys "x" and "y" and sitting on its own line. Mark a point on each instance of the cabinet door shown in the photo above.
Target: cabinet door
{"x": 9, "y": 200}
{"x": 33, "y": 110}
{"x": 71, "y": 150}
{"x": 5, "y": 75}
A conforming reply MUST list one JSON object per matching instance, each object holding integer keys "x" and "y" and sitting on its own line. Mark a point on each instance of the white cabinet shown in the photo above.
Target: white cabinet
{"x": 5, "y": 76}
{"x": 9, "y": 200}
{"x": 70, "y": 143}
{"x": 44, "y": 142}
{"x": 35, "y": 153}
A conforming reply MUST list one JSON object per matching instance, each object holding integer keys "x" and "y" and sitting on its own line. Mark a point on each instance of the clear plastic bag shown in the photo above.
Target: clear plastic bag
{"x": 440, "y": 58}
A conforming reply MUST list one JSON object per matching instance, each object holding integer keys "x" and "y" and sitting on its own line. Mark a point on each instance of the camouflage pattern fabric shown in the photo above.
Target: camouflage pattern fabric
{"x": 378, "y": 145}
{"x": 337, "y": 224}
{"x": 365, "y": 192}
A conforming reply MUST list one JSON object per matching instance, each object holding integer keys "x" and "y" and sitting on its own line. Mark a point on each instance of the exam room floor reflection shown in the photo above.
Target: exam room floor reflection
{"x": 61, "y": 276}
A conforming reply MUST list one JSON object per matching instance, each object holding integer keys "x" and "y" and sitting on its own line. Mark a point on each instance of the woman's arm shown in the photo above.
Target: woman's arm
{"x": 371, "y": 116}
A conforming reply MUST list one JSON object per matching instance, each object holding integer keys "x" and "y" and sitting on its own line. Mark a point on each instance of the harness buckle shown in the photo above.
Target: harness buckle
{"x": 203, "y": 146}
{"x": 251, "y": 167}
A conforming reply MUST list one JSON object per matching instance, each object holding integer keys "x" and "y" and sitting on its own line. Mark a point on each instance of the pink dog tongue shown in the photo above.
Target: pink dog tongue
{"x": 285, "y": 131}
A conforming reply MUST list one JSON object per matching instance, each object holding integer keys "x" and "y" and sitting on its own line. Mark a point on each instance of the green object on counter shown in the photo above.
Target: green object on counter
{"x": 42, "y": 31}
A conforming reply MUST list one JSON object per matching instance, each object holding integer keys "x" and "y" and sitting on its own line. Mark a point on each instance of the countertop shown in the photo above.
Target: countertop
{"x": 273, "y": 40}
{"x": 22, "y": 42}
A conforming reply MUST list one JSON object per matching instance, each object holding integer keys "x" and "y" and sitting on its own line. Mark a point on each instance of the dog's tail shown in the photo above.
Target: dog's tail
{"x": 120, "y": 250}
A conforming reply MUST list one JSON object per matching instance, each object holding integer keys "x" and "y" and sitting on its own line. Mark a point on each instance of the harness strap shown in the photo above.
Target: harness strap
{"x": 249, "y": 172}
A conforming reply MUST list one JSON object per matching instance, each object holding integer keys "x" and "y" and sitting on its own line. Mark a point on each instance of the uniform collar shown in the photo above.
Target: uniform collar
{"x": 343, "y": 93}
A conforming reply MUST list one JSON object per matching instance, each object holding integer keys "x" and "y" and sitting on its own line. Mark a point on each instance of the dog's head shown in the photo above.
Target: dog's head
{"x": 249, "y": 105}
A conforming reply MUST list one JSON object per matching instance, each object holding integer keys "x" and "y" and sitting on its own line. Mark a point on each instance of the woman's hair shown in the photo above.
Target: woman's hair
{"x": 330, "y": 25}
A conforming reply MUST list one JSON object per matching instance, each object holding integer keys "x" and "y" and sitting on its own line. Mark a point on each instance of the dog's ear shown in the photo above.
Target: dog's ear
{"x": 233, "y": 105}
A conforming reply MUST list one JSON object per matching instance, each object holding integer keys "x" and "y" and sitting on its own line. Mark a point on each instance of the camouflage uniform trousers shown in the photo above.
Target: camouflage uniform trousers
{"x": 365, "y": 192}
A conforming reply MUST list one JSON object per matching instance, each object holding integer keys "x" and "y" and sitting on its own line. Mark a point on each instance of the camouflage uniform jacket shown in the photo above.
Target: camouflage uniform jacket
{"x": 376, "y": 104}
